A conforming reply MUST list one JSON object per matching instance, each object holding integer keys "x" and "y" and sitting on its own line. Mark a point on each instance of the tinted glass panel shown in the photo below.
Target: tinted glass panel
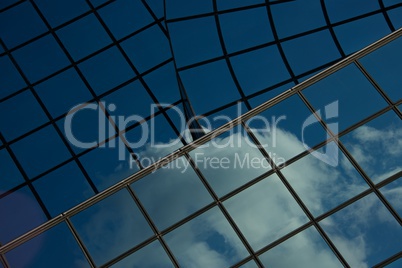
{"x": 10, "y": 80}
{"x": 9, "y": 173}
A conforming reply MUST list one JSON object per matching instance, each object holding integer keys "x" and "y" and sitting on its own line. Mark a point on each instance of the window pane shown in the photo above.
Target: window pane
{"x": 376, "y": 146}
{"x": 365, "y": 233}
{"x": 324, "y": 179}
{"x": 111, "y": 227}
{"x": 58, "y": 12}
{"x": 306, "y": 249}
{"x": 54, "y": 248}
{"x": 385, "y": 66}
{"x": 150, "y": 256}
{"x": 393, "y": 193}
{"x": 23, "y": 214}
{"x": 10, "y": 80}
{"x": 228, "y": 4}
{"x": 172, "y": 193}
{"x": 9, "y": 173}
{"x": 265, "y": 212}
{"x": 206, "y": 241}
{"x": 345, "y": 9}
{"x": 184, "y": 8}
{"x": 341, "y": 90}
{"x": 229, "y": 161}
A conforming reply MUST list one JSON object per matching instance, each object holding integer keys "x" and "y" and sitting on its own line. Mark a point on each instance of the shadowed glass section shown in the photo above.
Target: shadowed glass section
{"x": 339, "y": 10}
{"x": 385, "y": 66}
{"x": 9, "y": 173}
{"x": 344, "y": 87}
{"x": 206, "y": 241}
{"x": 376, "y": 146}
{"x": 265, "y": 212}
{"x": 364, "y": 232}
{"x": 150, "y": 256}
{"x": 53, "y": 248}
{"x": 229, "y": 161}
{"x": 306, "y": 249}
{"x": 111, "y": 227}
{"x": 10, "y": 80}
{"x": 171, "y": 193}
{"x": 324, "y": 185}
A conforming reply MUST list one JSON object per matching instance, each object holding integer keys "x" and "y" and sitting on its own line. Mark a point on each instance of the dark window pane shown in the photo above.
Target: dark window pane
{"x": 23, "y": 214}
{"x": 308, "y": 52}
{"x": 244, "y": 29}
{"x": 194, "y": 40}
{"x": 259, "y": 69}
{"x": 157, "y": 7}
{"x": 53, "y": 248}
{"x": 265, "y": 212}
{"x": 62, "y": 92}
{"x": 20, "y": 114}
{"x": 19, "y": 24}
{"x": 206, "y": 241}
{"x": 63, "y": 188}
{"x": 125, "y": 16}
{"x": 10, "y": 79}
{"x": 395, "y": 16}
{"x": 172, "y": 193}
{"x": 41, "y": 58}
{"x": 183, "y": 8}
{"x": 83, "y": 37}
{"x": 355, "y": 35}
{"x": 106, "y": 70}
{"x": 209, "y": 80}
{"x": 340, "y": 90}
{"x": 385, "y": 66}
{"x": 58, "y": 12}
{"x": 228, "y": 4}
{"x": 111, "y": 227}
{"x": 345, "y": 9}
{"x": 148, "y": 48}
{"x": 9, "y": 173}
{"x": 40, "y": 151}
{"x": 393, "y": 193}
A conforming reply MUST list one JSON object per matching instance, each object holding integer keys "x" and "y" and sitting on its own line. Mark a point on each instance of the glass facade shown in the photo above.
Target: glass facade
{"x": 119, "y": 145}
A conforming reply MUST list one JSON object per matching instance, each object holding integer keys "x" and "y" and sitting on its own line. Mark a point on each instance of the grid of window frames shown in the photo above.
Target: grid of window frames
{"x": 84, "y": 52}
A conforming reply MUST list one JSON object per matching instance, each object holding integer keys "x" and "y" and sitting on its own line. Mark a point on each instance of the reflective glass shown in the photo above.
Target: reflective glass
{"x": 294, "y": 17}
{"x": 287, "y": 129}
{"x": 385, "y": 66}
{"x": 124, "y": 17}
{"x": 6, "y": 3}
{"x": 20, "y": 114}
{"x": 86, "y": 127}
{"x": 395, "y": 16}
{"x": 310, "y": 51}
{"x": 207, "y": 80}
{"x": 10, "y": 80}
{"x": 395, "y": 264}
{"x": 306, "y": 249}
{"x": 228, "y": 4}
{"x": 63, "y": 188}
{"x": 111, "y": 227}
{"x": 54, "y": 248}
{"x": 393, "y": 193}
{"x": 157, "y": 7}
{"x": 172, "y": 193}
{"x": 259, "y": 212}
{"x": 150, "y": 256}
{"x": 23, "y": 214}
{"x": 194, "y": 40}
{"x": 153, "y": 140}
{"x": 259, "y": 69}
{"x": 246, "y": 28}
{"x": 58, "y": 12}
{"x": 250, "y": 264}
{"x": 106, "y": 70}
{"x": 41, "y": 58}
{"x": 339, "y": 10}
{"x": 206, "y": 241}
{"x": 83, "y": 37}
{"x": 221, "y": 117}
{"x": 62, "y": 92}
{"x": 148, "y": 48}
{"x": 364, "y": 232}
{"x": 109, "y": 164}
{"x": 9, "y": 173}
{"x": 355, "y": 35}
{"x": 229, "y": 161}
{"x": 376, "y": 146}
{"x": 184, "y": 8}
{"x": 40, "y": 151}
{"x": 260, "y": 99}
{"x": 337, "y": 94}
{"x": 324, "y": 179}
{"x": 19, "y": 24}
{"x": 163, "y": 84}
